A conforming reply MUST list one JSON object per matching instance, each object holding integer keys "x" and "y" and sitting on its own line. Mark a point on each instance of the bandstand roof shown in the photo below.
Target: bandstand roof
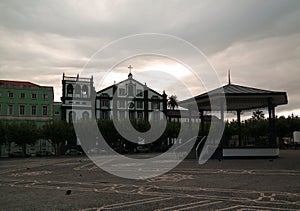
{"x": 238, "y": 98}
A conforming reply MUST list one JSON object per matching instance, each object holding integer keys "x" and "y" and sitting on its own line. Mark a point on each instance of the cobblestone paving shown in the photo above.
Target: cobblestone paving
{"x": 75, "y": 183}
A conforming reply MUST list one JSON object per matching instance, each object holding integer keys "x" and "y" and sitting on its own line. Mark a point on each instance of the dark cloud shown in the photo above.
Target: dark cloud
{"x": 258, "y": 40}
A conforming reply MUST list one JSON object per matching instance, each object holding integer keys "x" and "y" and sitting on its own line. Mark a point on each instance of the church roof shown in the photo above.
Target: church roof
{"x": 132, "y": 80}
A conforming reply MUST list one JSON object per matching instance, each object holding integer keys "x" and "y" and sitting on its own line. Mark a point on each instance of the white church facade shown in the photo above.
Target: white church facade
{"x": 130, "y": 99}
{"x": 126, "y": 99}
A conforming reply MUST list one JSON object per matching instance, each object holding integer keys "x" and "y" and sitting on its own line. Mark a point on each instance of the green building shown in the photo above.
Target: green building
{"x": 25, "y": 101}
{"x": 22, "y": 101}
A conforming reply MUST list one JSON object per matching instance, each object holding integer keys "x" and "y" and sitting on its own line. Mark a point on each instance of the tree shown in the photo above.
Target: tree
{"x": 22, "y": 134}
{"x": 172, "y": 102}
{"x": 2, "y": 136}
{"x": 57, "y": 132}
{"x": 258, "y": 115}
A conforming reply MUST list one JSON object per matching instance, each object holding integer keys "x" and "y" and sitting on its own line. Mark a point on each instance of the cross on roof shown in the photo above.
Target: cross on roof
{"x": 130, "y": 67}
{"x": 130, "y": 74}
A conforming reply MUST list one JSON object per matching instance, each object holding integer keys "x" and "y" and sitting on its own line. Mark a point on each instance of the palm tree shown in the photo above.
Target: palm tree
{"x": 258, "y": 115}
{"x": 172, "y": 102}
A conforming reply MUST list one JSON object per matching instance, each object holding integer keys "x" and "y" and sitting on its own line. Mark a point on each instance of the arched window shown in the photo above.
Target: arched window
{"x": 85, "y": 90}
{"x": 72, "y": 116}
{"x": 85, "y": 115}
{"x": 77, "y": 89}
{"x": 70, "y": 89}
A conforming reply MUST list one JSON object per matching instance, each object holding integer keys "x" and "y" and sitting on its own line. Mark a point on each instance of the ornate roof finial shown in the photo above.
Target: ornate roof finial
{"x": 130, "y": 74}
{"x": 229, "y": 80}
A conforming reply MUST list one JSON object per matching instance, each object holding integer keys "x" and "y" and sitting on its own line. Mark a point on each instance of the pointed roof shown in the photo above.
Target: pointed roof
{"x": 132, "y": 80}
{"x": 239, "y": 97}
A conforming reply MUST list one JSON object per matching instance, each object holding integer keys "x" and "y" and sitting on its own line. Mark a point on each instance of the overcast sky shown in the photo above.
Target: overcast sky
{"x": 259, "y": 41}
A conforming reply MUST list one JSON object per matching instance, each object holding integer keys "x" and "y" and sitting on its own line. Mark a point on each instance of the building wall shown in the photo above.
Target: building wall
{"x": 57, "y": 112}
{"x": 26, "y": 103}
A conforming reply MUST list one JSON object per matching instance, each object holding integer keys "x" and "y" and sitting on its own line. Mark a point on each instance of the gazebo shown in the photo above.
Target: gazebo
{"x": 241, "y": 98}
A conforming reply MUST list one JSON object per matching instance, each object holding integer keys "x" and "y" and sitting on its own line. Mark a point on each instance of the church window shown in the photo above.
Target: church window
{"x": 121, "y": 92}
{"x": 139, "y": 104}
{"x": 130, "y": 90}
{"x": 104, "y": 114}
{"x": 77, "y": 89}
{"x": 85, "y": 90}
{"x": 70, "y": 89}
{"x": 131, "y": 105}
{"x": 121, "y": 104}
{"x": 140, "y": 93}
{"x": 85, "y": 115}
{"x": 140, "y": 115}
{"x": 131, "y": 115}
{"x": 72, "y": 116}
{"x": 122, "y": 114}
{"x": 104, "y": 103}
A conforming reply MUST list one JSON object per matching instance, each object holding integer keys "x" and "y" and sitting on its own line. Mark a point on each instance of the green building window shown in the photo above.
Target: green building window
{"x": 10, "y": 110}
{"x": 45, "y": 96}
{"x": 33, "y": 110}
{"x": 22, "y": 110}
{"x": 10, "y": 94}
{"x": 22, "y": 95}
{"x": 45, "y": 110}
{"x": 33, "y": 95}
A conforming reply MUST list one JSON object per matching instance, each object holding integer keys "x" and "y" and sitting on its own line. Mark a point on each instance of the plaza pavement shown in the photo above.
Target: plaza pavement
{"x": 75, "y": 183}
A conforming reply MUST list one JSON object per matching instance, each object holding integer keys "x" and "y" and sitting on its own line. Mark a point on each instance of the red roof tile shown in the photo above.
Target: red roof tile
{"x": 23, "y": 83}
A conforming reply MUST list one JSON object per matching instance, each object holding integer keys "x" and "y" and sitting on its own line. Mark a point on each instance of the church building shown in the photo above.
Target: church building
{"x": 130, "y": 99}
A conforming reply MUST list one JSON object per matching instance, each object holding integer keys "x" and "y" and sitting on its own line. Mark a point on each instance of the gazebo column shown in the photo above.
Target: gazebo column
{"x": 239, "y": 127}
{"x": 271, "y": 110}
{"x": 222, "y": 120}
{"x": 202, "y": 122}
